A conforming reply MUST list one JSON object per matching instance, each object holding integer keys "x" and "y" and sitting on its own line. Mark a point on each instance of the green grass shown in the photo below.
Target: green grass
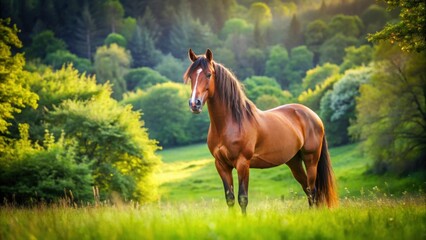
{"x": 192, "y": 206}
{"x": 189, "y": 174}
{"x": 272, "y": 219}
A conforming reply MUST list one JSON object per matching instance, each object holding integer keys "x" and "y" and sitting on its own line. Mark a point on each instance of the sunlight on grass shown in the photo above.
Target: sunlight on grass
{"x": 178, "y": 171}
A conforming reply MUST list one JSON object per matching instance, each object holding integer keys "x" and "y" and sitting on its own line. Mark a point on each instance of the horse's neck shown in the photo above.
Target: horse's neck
{"x": 220, "y": 117}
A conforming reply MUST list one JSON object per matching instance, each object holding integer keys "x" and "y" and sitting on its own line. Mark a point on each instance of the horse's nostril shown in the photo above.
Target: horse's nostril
{"x": 198, "y": 102}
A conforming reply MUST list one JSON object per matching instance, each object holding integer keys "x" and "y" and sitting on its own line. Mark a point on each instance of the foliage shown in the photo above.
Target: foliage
{"x": 171, "y": 67}
{"x": 167, "y": 116}
{"x": 113, "y": 139}
{"x": 116, "y": 38}
{"x": 410, "y": 31}
{"x": 64, "y": 57}
{"x": 333, "y": 50}
{"x": 301, "y": 60}
{"x": 318, "y": 75}
{"x": 356, "y": 57}
{"x": 44, "y": 43}
{"x": 391, "y": 112}
{"x": 31, "y": 174}
{"x": 349, "y": 26}
{"x": 14, "y": 91}
{"x": 111, "y": 64}
{"x": 143, "y": 49}
{"x": 143, "y": 78}
{"x": 257, "y": 86}
{"x": 278, "y": 58}
{"x": 374, "y": 18}
{"x": 312, "y": 97}
{"x": 337, "y": 107}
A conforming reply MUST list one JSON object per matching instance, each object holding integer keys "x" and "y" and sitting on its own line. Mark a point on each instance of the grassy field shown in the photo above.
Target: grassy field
{"x": 188, "y": 173}
{"x": 192, "y": 206}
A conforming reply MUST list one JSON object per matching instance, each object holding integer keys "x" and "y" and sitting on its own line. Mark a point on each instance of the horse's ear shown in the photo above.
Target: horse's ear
{"x": 192, "y": 55}
{"x": 209, "y": 55}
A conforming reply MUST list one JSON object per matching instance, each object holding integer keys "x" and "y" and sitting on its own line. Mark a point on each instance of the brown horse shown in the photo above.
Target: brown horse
{"x": 242, "y": 137}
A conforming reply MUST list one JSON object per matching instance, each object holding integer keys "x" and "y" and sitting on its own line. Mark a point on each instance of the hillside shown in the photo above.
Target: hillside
{"x": 188, "y": 173}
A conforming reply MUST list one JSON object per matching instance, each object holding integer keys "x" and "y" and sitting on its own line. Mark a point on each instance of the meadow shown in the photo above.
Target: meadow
{"x": 192, "y": 206}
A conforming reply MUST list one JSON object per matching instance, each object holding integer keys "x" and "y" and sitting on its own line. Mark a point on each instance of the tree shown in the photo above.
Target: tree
{"x": 14, "y": 91}
{"x": 112, "y": 138}
{"x": 312, "y": 97}
{"x": 111, "y": 64}
{"x": 114, "y": 13}
{"x": 337, "y": 107}
{"x": 117, "y": 39}
{"x": 349, "y": 26}
{"x": 260, "y": 14}
{"x": 276, "y": 63}
{"x": 43, "y": 44}
{"x": 258, "y": 86}
{"x": 410, "y": 31}
{"x": 143, "y": 49}
{"x": 301, "y": 60}
{"x": 315, "y": 35}
{"x": 333, "y": 50}
{"x": 143, "y": 78}
{"x": 356, "y": 57}
{"x": 171, "y": 67}
{"x": 167, "y": 116}
{"x": 85, "y": 33}
{"x": 31, "y": 173}
{"x": 374, "y": 18}
{"x": 294, "y": 36}
{"x": 391, "y": 109}
{"x": 63, "y": 57}
{"x": 318, "y": 75}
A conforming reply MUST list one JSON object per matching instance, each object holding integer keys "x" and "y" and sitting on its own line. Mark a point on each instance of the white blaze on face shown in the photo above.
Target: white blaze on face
{"x": 195, "y": 86}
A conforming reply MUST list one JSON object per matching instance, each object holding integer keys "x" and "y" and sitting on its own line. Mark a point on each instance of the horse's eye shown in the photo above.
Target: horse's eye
{"x": 208, "y": 75}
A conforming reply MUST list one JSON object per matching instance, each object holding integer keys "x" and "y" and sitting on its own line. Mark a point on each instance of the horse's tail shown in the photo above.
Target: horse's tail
{"x": 325, "y": 183}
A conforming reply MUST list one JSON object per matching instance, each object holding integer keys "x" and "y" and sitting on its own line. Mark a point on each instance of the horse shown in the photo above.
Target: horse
{"x": 241, "y": 136}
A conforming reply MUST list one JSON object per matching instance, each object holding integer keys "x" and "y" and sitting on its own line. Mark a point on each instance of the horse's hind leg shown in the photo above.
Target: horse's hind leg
{"x": 311, "y": 163}
{"x": 296, "y": 167}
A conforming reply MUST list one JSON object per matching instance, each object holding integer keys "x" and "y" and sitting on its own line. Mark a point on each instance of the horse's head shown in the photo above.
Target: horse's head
{"x": 201, "y": 76}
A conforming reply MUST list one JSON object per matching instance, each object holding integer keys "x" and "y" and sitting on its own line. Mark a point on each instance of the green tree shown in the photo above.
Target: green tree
{"x": 143, "y": 78}
{"x": 15, "y": 93}
{"x": 391, "y": 111}
{"x": 171, "y": 67}
{"x": 275, "y": 65}
{"x": 356, "y": 57}
{"x": 116, "y": 38}
{"x": 31, "y": 173}
{"x": 260, "y": 15}
{"x": 337, "y": 107}
{"x": 167, "y": 116}
{"x": 63, "y": 57}
{"x": 44, "y": 43}
{"x": 349, "y": 26}
{"x": 333, "y": 50}
{"x": 301, "y": 60}
{"x": 111, "y": 64}
{"x": 410, "y": 31}
{"x": 315, "y": 35}
{"x": 258, "y": 86}
{"x": 114, "y": 13}
{"x": 312, "y": 97}
{"x": 318, "y": 75}
{"x": 374, "y": 18}
{"x": 114, "y": 140}
{"x": 143, "y": 49}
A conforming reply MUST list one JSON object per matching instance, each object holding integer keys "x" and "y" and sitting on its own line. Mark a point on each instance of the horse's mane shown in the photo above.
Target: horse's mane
{"x": 228, "y": 88}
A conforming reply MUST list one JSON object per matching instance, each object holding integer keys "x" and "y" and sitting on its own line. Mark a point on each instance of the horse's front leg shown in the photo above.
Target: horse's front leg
{"x": 225, "y": 173}
{"x": 243, "y": 168}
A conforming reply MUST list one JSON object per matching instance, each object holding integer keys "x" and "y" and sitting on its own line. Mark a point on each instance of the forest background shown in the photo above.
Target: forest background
{"x": 90, "y": 90}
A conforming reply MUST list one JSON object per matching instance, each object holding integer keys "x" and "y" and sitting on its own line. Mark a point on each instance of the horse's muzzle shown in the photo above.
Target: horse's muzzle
{"x": 195, "y": 105}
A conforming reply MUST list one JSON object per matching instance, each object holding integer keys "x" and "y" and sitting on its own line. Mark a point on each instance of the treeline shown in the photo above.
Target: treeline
{"x": 124, "y": 86}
